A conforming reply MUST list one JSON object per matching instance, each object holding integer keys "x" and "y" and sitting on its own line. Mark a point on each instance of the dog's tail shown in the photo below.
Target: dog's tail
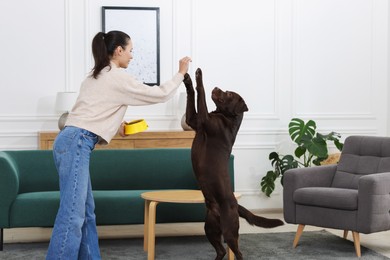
{"x": 257, "y": 220}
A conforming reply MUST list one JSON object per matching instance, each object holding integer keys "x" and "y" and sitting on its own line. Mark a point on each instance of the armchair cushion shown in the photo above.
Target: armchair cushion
{"x": 361, "y": 156}
{"x": 336, "y": 198}
{"x": 294, "y": 179}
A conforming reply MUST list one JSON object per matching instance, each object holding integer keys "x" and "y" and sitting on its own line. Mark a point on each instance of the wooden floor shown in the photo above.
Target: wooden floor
{"x": 378, "y": 241}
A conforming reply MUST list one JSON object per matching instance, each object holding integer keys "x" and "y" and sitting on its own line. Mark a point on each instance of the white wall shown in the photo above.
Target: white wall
{"x": 325, "y": 60}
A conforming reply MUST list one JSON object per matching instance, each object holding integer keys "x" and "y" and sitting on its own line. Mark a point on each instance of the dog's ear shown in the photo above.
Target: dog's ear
{"x": 241, "y": 107}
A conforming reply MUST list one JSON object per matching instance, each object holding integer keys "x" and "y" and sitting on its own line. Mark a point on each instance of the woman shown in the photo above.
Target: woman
{"x": 99, "y": 110}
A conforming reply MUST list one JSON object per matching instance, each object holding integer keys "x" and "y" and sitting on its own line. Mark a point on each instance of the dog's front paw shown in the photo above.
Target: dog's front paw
{"x": 199, "y": 80}
{"x": 188, "y": 83}
{"x": 187, "y": 79}
{"x": 198, "y": 74}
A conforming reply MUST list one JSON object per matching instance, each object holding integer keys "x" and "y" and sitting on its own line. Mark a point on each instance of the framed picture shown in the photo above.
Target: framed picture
{"x": 142, "y": 24}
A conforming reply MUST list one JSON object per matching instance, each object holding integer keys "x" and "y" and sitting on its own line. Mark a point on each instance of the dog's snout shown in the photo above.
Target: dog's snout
{"x": 216, "y": 90}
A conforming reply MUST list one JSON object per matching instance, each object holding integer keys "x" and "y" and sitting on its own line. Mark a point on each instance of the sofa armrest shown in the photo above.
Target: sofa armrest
{"x": 9, "y": 187}
{"x": 374, "y": 203}
{"x": 317, "y": 176}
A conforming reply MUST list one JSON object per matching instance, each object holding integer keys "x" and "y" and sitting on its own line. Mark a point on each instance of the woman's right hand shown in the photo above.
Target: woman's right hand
{"x": 184, "y": 65}
{"x": 121, "y": 129}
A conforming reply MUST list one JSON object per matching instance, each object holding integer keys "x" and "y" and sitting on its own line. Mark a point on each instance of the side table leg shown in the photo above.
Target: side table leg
{"x": 146, "y": 225}
{"x": 230, "y": 254}
{"x": 151, "y": 229}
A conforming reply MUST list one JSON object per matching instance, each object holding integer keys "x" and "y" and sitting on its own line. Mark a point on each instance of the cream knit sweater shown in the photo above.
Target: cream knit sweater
{"x": 102, "y": 102}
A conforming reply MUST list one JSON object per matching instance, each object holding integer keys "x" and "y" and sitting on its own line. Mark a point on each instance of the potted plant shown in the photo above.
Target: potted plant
{"x": 312, "y": 149}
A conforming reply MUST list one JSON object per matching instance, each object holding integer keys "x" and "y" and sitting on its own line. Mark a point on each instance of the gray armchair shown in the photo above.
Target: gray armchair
{"x": 353, "y": 195}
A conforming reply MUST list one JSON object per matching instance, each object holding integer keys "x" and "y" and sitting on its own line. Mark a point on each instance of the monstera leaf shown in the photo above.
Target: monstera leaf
{"x": 317, "y": 146}
{"x": 268, "y": 183}
{"x": 280, "y": 164}
{"x": 333, "y": 136}
{"x": 308, "y": 141}
{"x": 299, "y": 131}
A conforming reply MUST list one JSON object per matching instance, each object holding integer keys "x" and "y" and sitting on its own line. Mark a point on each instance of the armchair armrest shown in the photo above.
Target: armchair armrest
{"x": 9, "y": 187}
{"x": 318, "y": 176}
{"x": 374, "y": 203}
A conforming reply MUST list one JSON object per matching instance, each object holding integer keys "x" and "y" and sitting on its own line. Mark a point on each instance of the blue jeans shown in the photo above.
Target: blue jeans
{"x": 74, "y": 234}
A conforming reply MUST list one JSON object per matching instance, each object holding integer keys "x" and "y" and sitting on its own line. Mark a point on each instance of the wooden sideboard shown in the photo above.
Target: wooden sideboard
{"x": 163, "y": 139}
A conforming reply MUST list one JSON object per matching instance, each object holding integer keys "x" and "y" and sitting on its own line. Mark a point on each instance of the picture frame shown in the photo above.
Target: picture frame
{"x": 142, "y": 24}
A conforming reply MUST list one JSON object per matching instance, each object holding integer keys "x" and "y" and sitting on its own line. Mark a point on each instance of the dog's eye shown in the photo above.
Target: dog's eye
{"x": 229, "y": 94}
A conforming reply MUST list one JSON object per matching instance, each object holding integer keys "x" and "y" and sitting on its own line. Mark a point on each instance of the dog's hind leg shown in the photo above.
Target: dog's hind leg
{"x": 232, "y": 242}
{"x": 230, "y": 226}
{"x": 214, "y": 234}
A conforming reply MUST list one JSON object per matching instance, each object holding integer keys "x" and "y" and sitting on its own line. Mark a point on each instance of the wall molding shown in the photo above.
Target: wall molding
{"x": 30, "y": 118}
{"x": 17, "y": 147}
{"x": 7, "y": 134}
{"x": 338, "y": 116}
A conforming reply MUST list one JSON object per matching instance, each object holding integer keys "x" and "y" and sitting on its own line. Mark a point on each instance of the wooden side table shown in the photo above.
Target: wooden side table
{"x": 171, "y": 196}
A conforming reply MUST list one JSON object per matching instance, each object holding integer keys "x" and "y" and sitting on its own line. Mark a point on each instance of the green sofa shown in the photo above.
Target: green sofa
{"x": 29, "y": 195}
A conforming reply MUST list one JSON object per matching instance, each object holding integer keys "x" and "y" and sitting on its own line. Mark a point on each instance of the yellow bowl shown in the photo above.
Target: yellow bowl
{"x": 135, "y": 126}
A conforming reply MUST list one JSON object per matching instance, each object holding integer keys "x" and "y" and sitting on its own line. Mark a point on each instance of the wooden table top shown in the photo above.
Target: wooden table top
{"x": 177, "y": 196}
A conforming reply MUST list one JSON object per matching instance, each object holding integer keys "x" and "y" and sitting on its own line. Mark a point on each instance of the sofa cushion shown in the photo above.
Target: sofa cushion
{"x": 336, "y": 198}
{"x": 118, "y": 206}
{"x": 112, "y": 207}
{"x": 142, "y": 169}
{"x": 36, "y": 170}
{"x": 27, "y": 209}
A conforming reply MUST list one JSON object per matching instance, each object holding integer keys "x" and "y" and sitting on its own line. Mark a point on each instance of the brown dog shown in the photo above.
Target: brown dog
{"x": 211, "y": 149}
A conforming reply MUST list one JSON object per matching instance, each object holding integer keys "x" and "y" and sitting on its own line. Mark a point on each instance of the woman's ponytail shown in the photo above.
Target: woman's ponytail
{"x": 99, "y": 51}
{"x": 103, "y": 47}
